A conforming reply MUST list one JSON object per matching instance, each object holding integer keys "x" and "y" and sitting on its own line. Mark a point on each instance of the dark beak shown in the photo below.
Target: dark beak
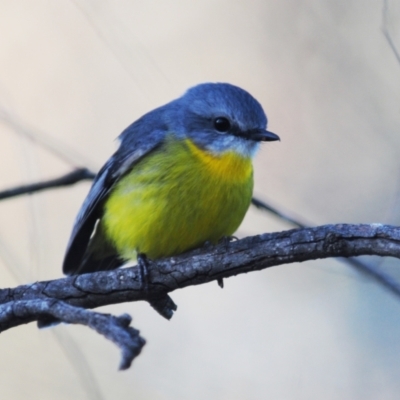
{"x": 262, "y": 135}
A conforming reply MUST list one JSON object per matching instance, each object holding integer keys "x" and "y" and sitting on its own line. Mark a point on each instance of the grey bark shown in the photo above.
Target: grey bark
{"x": 66, "y": 298}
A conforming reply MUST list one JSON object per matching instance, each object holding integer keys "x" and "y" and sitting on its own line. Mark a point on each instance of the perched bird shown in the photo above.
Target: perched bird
{"x": 182, "y": 176}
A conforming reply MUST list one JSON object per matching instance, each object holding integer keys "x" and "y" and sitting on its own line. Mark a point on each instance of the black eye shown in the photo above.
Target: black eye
{"x": 222, "y": 124}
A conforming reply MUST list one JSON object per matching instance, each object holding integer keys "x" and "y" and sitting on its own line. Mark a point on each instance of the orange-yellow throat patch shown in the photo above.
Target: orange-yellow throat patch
{"x": 177, "y": 198}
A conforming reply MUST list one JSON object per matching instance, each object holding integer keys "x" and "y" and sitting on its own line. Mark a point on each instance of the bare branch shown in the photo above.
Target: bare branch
{"x": 205, "y": 265}
{"x": 64, "y": 299}
{"x": 262, "y": 205}
{"x": 116, "y": 329}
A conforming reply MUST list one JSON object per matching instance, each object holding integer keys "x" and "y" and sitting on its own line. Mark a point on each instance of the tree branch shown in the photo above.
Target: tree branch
{"x": 385, "y": 30}
{"x": 116, "y": 329}
{"x": 295, "y": 221}
{"x": 65, "y": 180}
{"x": 64, "y": 298}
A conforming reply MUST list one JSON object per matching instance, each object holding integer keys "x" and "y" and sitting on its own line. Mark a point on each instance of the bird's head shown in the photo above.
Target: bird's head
{"x": 220, "y": 117}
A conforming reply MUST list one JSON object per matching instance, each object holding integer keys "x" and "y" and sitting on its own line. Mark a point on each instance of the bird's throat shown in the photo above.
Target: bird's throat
{"x": 228, "y": 165}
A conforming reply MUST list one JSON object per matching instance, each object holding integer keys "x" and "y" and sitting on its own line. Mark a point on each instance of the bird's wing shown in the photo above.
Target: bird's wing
{"x": 135, "y": 144}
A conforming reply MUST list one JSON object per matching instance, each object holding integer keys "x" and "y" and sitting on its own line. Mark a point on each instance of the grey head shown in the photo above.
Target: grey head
{"x": 220, "y": 117}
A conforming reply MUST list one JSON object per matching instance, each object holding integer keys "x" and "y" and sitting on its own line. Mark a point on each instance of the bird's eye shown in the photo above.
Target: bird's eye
{"x": 222, "y": 124}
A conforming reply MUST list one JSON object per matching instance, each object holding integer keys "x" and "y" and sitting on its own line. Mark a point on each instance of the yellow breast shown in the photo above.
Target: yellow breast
{"x": 177, "y": 198}
{"x": 228, "y": 166}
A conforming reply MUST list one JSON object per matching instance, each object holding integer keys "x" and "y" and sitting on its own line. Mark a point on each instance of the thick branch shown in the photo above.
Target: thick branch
{"x": 65, "y": 299}
{"x": 208, "y": 264}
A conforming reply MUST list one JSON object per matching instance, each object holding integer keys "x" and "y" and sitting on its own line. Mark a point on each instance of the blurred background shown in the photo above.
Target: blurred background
{"x": 74, "y": 74}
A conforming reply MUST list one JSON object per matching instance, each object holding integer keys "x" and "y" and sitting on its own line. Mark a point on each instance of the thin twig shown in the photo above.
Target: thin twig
{"x": 295, "y": 221}
{"x": 385, "y": 30}
{"x": 65, "y": 180}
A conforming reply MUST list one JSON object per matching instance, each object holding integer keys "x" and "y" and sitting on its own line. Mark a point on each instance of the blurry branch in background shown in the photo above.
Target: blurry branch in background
{"x": 284, "y": 216}
{"x": 66, "y": 298}
{"x": 65, "y": 180}
{"x": 385, "y": 29}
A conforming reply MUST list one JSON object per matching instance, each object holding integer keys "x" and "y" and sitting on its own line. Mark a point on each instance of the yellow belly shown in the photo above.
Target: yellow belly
{"x": 177, "y": 198}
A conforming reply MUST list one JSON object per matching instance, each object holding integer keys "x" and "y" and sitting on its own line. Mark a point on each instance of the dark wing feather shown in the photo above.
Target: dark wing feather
{"x": 136, "y": 142}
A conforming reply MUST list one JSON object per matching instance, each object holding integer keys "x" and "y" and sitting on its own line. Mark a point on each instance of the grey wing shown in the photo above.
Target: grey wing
{"x": 86, "y": 220}
{"x": 133, "y": 147}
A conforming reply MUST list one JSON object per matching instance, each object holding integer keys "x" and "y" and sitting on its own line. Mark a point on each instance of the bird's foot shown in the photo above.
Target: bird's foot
{"x": 164, "y": 305}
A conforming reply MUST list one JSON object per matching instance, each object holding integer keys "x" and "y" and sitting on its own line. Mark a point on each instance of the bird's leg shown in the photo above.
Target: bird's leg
{"x": 163, "y": 304}
{"x": 143, "y": 264}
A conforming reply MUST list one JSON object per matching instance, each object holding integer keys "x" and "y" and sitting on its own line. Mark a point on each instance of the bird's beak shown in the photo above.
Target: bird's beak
{"x": 262, "y": 135}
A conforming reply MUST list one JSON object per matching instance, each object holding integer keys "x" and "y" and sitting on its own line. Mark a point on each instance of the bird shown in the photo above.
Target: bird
{"x": 181, "y": 177}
